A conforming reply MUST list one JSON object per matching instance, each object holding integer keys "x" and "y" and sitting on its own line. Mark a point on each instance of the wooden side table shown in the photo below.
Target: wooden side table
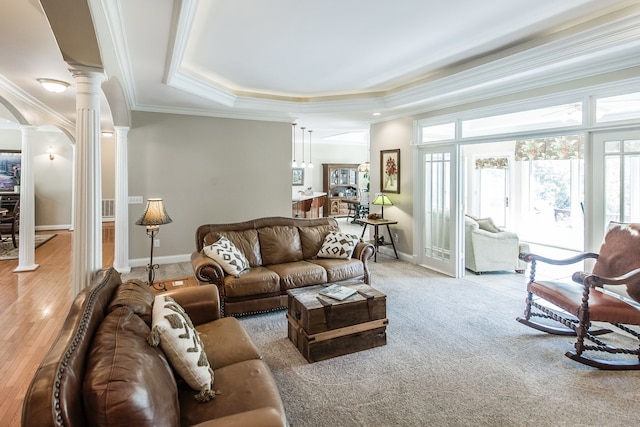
{"x": 377, "y": 223}
{"x": 170, "y": 284}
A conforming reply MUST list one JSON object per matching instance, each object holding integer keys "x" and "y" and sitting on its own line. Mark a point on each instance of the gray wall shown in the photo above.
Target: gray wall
{"x": 52, "y": 178}
{"x": 207, "y": 170}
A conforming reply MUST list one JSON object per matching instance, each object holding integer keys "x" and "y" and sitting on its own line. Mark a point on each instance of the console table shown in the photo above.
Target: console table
{"x": 376, "y": 242}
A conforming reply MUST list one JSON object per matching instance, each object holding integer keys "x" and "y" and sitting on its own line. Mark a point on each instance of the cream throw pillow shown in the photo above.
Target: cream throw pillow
{"x": 173, "y": 330}
{"x": 487, "y": 224}
{"x": 338, "y": 245}
{"x": 227, "y": 255}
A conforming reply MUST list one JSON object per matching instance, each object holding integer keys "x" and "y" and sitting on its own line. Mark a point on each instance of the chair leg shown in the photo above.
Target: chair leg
{"x": 608, "y": 365}
{"x": 13, "y": 235}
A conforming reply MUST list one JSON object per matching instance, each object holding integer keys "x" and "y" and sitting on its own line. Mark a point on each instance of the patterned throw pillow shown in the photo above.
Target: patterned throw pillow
{"x": 173, "y": 331}
{"x": 338, "y": 245}
{"x": 227, "y": 255}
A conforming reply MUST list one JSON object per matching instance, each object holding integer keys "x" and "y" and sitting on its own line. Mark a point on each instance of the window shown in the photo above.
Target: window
{"x": 615, "y": 108}
{"x": 553, "y": 190}
{"x": 557, "y": 116}
{"x": 443, "y": 132}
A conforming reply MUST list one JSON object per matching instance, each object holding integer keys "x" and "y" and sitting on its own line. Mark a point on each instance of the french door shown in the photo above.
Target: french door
{"x": 615, "y": 182}
{"x": 439, "y": 245}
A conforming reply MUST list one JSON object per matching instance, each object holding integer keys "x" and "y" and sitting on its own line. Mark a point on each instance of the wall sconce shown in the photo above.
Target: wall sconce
{"x": 153, "y": 217}
{"x": 51, "y": 153}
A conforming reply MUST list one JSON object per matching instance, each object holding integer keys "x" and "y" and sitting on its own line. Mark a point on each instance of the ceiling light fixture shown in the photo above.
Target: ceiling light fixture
{"x": 107, "y": 134}
{"x": 294, "y": 164}
{"x": 303, "y": 164}
{"x": 53, "y": 86}
{"x": 310, "y": 166}
{"x": 376, "y": 114}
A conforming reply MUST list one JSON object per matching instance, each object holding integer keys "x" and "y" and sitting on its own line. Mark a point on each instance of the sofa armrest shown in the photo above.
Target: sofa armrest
{"x": 206, "y": 269}
{"x": 364, "y": 251}
{"x": 202, "y": 303}
{"x": 263, "y": 417}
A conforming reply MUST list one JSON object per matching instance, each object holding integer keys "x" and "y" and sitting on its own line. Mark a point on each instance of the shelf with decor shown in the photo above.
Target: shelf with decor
{"x": 340, "y": 182}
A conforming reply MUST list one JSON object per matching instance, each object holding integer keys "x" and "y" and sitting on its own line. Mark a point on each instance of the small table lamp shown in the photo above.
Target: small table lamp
{"x": 153, "y": 217}
{"x": 382, "y": 200}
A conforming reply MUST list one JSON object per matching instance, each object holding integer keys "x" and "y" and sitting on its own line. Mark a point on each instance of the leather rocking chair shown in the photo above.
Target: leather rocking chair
{"x": 577, "y": 306}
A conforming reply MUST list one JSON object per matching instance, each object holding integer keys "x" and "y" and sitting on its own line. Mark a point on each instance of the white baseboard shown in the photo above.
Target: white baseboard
{"x": 53, "y": 227}
{"x": 172, "y": 259}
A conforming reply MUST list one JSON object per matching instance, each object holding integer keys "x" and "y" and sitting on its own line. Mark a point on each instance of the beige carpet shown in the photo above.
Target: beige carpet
{"x": 7, "y": 251}
{"x": 455, "y": 357}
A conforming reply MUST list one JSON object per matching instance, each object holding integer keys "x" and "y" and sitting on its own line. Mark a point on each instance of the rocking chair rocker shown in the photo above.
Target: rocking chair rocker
{"x": 576, "y": 306}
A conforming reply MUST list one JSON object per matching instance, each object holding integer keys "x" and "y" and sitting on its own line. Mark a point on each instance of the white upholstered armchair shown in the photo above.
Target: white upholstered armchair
{"x": 487, "y": 248}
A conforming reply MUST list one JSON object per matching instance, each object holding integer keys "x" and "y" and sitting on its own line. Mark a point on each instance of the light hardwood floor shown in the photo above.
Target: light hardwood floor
{"x": 33, "y": 307}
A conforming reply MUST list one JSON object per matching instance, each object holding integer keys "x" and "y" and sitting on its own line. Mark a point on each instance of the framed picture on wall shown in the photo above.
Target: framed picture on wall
{"x": 10, "y": 167}
{"x": 297, "y": 176}
{"x": 390, "y": 171}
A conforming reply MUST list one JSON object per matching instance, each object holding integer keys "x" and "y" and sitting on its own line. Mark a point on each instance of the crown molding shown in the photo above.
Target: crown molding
{"x": 591, "y": 48}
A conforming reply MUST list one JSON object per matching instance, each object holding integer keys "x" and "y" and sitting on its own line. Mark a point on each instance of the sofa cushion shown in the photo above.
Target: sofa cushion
{"x": 341, "y": 269}
{"x": 338, "y": 245}
{"x": 312, "y": 239}
{"x": 258, "y": 281}
{"x": 179, "y": 340}
{"x": 226, "y": 342}
{"x": 279, "y": 243}
{"x": 246, "y": 241}
{"x": 128, "y": 382}
{"x": 244, "y": 386}
{"x": 301, "y": 273}
{"x": 227, "y": 255}
{"x": 136, "y": 295}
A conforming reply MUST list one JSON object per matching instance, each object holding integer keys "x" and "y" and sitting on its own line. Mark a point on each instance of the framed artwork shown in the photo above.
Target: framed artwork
{"x": 297, "y": 177}
{"x": 10, "y": 164}
{"x": 390, "y": 171}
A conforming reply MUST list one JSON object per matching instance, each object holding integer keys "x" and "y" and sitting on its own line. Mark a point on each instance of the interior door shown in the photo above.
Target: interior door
{"x": 440, "y": 241}
{"x": 615, "y": 182}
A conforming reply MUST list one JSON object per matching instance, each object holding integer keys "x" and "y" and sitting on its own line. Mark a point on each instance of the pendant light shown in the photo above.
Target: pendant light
{"x": 303, "y": 164}
{"x": 294, "y": 164}
{"x": 366, "y": 166}
{"x": 310, "y": 165}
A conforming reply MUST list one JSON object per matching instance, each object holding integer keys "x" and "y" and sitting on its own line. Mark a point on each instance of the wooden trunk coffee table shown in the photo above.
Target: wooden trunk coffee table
{"x": 322, "y": 327}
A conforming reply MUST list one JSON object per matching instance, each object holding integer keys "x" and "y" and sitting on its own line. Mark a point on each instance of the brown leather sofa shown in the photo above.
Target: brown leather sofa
{"x": 282, "y": 255}
{"x": 137, "y": 384}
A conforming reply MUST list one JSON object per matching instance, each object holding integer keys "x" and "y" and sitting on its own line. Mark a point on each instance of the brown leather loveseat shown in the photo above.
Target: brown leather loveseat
{"x": 282, "y": 254}
{"x": 102, "y": 371}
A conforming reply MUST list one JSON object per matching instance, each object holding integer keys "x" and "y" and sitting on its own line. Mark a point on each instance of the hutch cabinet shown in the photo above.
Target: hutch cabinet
{"x": 340, "y": 182}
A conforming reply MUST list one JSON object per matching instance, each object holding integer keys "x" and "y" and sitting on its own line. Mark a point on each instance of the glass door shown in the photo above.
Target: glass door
{"x": 616, "y": 182}
{"x": 440, "y": 240}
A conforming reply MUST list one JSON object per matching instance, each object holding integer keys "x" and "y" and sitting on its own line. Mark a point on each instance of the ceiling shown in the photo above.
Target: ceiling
{"x": 330, "y": 65}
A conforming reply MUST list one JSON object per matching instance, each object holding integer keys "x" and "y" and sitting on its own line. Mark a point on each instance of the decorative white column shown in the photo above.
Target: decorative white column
{"x": 87, "y": 234}
{"x": 73, "y": 186}
{"x": 26, "y": 248}
{"x": 121, "y": 246}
